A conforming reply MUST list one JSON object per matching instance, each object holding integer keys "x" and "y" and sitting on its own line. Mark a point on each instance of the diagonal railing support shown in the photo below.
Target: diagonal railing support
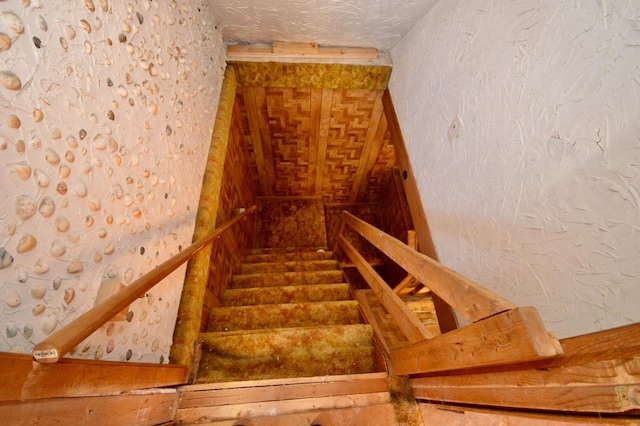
{"x": 501, "y": 332}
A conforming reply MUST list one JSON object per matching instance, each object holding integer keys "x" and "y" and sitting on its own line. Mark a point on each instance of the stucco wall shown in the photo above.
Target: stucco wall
{"x": 116, "y": 102}
{"x": 536, "y": 192}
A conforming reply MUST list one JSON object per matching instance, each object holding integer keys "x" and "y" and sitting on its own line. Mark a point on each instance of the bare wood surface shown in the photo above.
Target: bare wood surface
{"x": 62, "y": 341}
{"x": 371, "y": 415}
{"x": 469, "y": 298}
{"x": 511, "y": 337}
{"x": 386, "y": 330}
{"x": 242, "y": 394}
{"x": 116, "y": 410}
{"x": 280, "y": 51}
{"x": 446, "y": 317}
{"x": 25, "y": 379}
{"x": 274, "y": 408}
{"x": 601, "y": 369}
{"x": 413, "y": 329}
{"x": 455, "y": 415}
{"x": 295, "y": 48}
{"x": 587, "y": 398}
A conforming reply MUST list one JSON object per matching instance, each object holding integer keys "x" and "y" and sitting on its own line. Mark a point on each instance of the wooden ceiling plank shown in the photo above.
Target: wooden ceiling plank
{"x": 323, "y": 137}
{"x": 256, "y": 140}
{"x": 372, "y": 129}
{"x": 315, "y": 117}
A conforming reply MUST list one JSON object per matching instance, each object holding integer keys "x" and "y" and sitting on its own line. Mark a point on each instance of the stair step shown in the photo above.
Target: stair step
{"x": 281, "y": 250}
{"x": 287, "y": 279}
{"x": 286, "y": 294}
{"x": 286, "y": 257}
{"x": 286, "y": 352}
{"x": 289, "y": 266}
{"x": 284, "y": 315}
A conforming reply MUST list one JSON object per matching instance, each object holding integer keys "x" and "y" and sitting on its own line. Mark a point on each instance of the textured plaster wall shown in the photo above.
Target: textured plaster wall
{"x": 106, "y": 112}
{"x": 535, "y": 191}
{"x": 358, "y": 23}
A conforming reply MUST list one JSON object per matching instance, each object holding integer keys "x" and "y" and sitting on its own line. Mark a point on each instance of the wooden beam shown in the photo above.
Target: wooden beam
{"x": 446, "y": 317}
{"x": 127, "y": 409}
{"x": 280, "y": 47}
{"x": 619, "y": 345}
{"x": 469, "y": 298}
{"x": 275, "y": 408}
{"x": 280, "y": 390}
{"x": 413, "y": 329}
{"x": 449, "y": 414}
{"x": 586, "y": 398}
{"x": 299, "y": 50}
{"x": 25, "y": 379}
{"x": 599, "y": 372}
{"x": 510, "y": 337}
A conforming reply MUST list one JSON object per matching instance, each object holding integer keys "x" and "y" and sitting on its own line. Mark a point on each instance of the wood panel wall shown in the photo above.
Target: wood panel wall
{"x": 317, "y": 142}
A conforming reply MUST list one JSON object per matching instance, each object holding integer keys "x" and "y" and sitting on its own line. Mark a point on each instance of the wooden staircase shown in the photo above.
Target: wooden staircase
{"x": 288, "y": 341}
{"x": 287, "y": 315}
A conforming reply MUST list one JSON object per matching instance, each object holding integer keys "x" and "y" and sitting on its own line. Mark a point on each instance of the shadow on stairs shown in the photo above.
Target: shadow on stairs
{"x": 288, "y": 346}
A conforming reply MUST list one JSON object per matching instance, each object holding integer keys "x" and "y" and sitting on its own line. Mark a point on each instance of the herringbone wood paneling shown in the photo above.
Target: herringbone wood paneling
{"x": 316, "y": 142}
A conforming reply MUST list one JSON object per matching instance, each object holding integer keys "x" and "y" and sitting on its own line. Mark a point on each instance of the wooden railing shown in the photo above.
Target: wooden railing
{"x": 500, "y": 332}
{"x": 66, "y": 338}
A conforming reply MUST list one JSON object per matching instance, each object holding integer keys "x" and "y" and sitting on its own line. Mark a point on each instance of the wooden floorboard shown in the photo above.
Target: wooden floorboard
{"x": 25, "y": 379}
{"x": 128, "y": 409}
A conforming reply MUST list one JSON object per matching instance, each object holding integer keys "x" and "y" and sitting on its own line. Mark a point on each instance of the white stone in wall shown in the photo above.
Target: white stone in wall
{"x": 106, "y": 119}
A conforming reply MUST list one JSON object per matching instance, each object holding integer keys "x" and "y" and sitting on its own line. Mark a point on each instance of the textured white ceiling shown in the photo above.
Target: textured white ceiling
{"x": 353, "y": 23}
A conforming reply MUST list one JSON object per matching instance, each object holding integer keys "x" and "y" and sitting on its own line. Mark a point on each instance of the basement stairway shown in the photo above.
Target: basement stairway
{"x": 288, "y": 314}
{"x": 288, "y": 346}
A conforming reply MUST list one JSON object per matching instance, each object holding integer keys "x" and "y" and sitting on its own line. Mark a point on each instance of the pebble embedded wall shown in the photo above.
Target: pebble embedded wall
{"x": 106, "y": 114}
{"x": 521, "y": 121}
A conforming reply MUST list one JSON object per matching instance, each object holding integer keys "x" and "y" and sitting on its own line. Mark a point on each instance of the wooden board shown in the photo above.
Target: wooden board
{"x": 281, "y": 389}
{"x": 275, "y": 408}
{"x": 116, "y": 410}
{"x": 452, "y": 415}
{"x": 510, "y": 337}
{"x": 25, "y": 379}
{"x": 299, "y": 50}
{"x": 370, "y": 415}
{"x": 598, "y": 372}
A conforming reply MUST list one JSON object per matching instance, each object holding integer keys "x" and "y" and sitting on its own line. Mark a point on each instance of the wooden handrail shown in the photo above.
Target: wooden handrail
{"x": 469, "y": 298}
{"x": 414, "y": 330}
{"x": 501, "y": 332}
{"x": 62, "y": 341}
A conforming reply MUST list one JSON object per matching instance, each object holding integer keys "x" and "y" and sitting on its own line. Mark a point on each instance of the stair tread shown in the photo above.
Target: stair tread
{"x": 288, "y": 266}
{"x": 290, "y": 256}
{"x": 287, "y": 352}
{"x": 284, "y": 315}
{"x": 286, "y": 294}
{"x": 286, "y": 278}
{"x": 270, "y": 250}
